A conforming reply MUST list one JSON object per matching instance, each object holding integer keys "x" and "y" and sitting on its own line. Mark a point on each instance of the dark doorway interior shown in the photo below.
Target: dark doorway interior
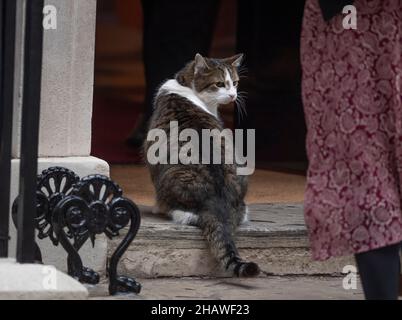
{"x": 267, "y": 32}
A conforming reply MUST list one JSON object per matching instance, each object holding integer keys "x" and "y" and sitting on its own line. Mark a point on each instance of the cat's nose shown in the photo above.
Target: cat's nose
{"x": 232, "y": 96}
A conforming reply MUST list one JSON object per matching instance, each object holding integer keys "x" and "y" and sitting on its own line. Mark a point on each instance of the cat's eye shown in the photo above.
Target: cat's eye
{"x": 220, "y": 84}
{"x": 235, "y": 83}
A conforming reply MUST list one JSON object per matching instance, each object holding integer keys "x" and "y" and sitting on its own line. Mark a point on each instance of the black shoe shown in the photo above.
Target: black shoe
{"x": 137, "y": 140}
{"x": 137, "y": 137}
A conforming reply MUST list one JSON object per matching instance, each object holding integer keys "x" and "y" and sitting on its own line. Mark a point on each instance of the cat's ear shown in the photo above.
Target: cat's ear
{"x": 236, "y": 60}
{"x": 199, "y": 63}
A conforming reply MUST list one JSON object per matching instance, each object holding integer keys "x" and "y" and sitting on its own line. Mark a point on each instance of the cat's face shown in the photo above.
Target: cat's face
{"x": 216, "y": 80}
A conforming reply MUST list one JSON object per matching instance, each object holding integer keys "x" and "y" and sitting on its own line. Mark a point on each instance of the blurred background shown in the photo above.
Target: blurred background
{"x": 266, "y": 32}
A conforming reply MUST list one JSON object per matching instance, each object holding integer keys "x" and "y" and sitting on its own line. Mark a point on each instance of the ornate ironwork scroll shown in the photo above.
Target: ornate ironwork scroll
{"x": 71, "y": 210}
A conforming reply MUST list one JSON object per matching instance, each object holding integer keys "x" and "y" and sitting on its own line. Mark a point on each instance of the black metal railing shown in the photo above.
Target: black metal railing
{"x": 29, "y": 127}
{"x": 30, "y": 130}
{"x": 7, "y": 45}
{"x": 69, "y": 213}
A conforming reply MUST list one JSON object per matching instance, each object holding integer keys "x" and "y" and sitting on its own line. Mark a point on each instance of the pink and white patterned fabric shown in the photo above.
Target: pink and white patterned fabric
{"x": 352, "y": 95}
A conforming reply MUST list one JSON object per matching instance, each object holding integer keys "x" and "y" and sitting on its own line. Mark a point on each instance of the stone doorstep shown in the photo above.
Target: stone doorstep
{"x": 275, "y": 238}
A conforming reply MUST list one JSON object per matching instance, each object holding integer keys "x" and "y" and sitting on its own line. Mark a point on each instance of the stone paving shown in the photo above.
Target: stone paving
{"x": 266, "y": 288}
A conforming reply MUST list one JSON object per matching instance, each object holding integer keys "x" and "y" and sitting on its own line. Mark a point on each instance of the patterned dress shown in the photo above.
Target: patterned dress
{"x": 352, "y": 95}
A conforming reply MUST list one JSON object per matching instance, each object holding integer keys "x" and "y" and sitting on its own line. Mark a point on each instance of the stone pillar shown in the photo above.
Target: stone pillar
{"x": 66, "y": 109}
{"x": 67, "y": 82}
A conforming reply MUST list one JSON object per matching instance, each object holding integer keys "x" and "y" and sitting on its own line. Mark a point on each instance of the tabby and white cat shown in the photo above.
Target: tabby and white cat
{"x": 210, "y": 196}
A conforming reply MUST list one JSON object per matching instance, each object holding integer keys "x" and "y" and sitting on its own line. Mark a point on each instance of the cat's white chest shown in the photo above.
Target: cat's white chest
{"x": 171, "y": 86}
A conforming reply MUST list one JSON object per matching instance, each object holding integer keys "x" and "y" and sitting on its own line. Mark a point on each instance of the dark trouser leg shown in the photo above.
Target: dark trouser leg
{"x": 380, "y": 272}
{"x": 174, "y": 31}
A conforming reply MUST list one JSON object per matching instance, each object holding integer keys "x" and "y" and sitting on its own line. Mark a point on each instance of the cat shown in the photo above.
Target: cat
{"x": 209, "y": 196}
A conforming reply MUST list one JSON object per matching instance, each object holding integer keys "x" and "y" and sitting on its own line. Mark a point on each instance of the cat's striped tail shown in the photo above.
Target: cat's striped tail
{"x": 223, "y": 248}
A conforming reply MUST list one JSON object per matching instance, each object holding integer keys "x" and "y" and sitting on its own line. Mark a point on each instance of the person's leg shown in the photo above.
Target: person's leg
{"x": 174, "y": 31}
{"x": 380, "y": 272}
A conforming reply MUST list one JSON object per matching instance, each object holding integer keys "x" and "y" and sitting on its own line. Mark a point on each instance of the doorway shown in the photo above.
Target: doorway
{"x": 268, "y": 33}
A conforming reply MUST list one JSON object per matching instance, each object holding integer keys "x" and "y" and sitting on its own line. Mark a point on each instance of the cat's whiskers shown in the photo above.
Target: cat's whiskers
{"x": 241, "y": 105}
{"x": 242, "y": 70}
